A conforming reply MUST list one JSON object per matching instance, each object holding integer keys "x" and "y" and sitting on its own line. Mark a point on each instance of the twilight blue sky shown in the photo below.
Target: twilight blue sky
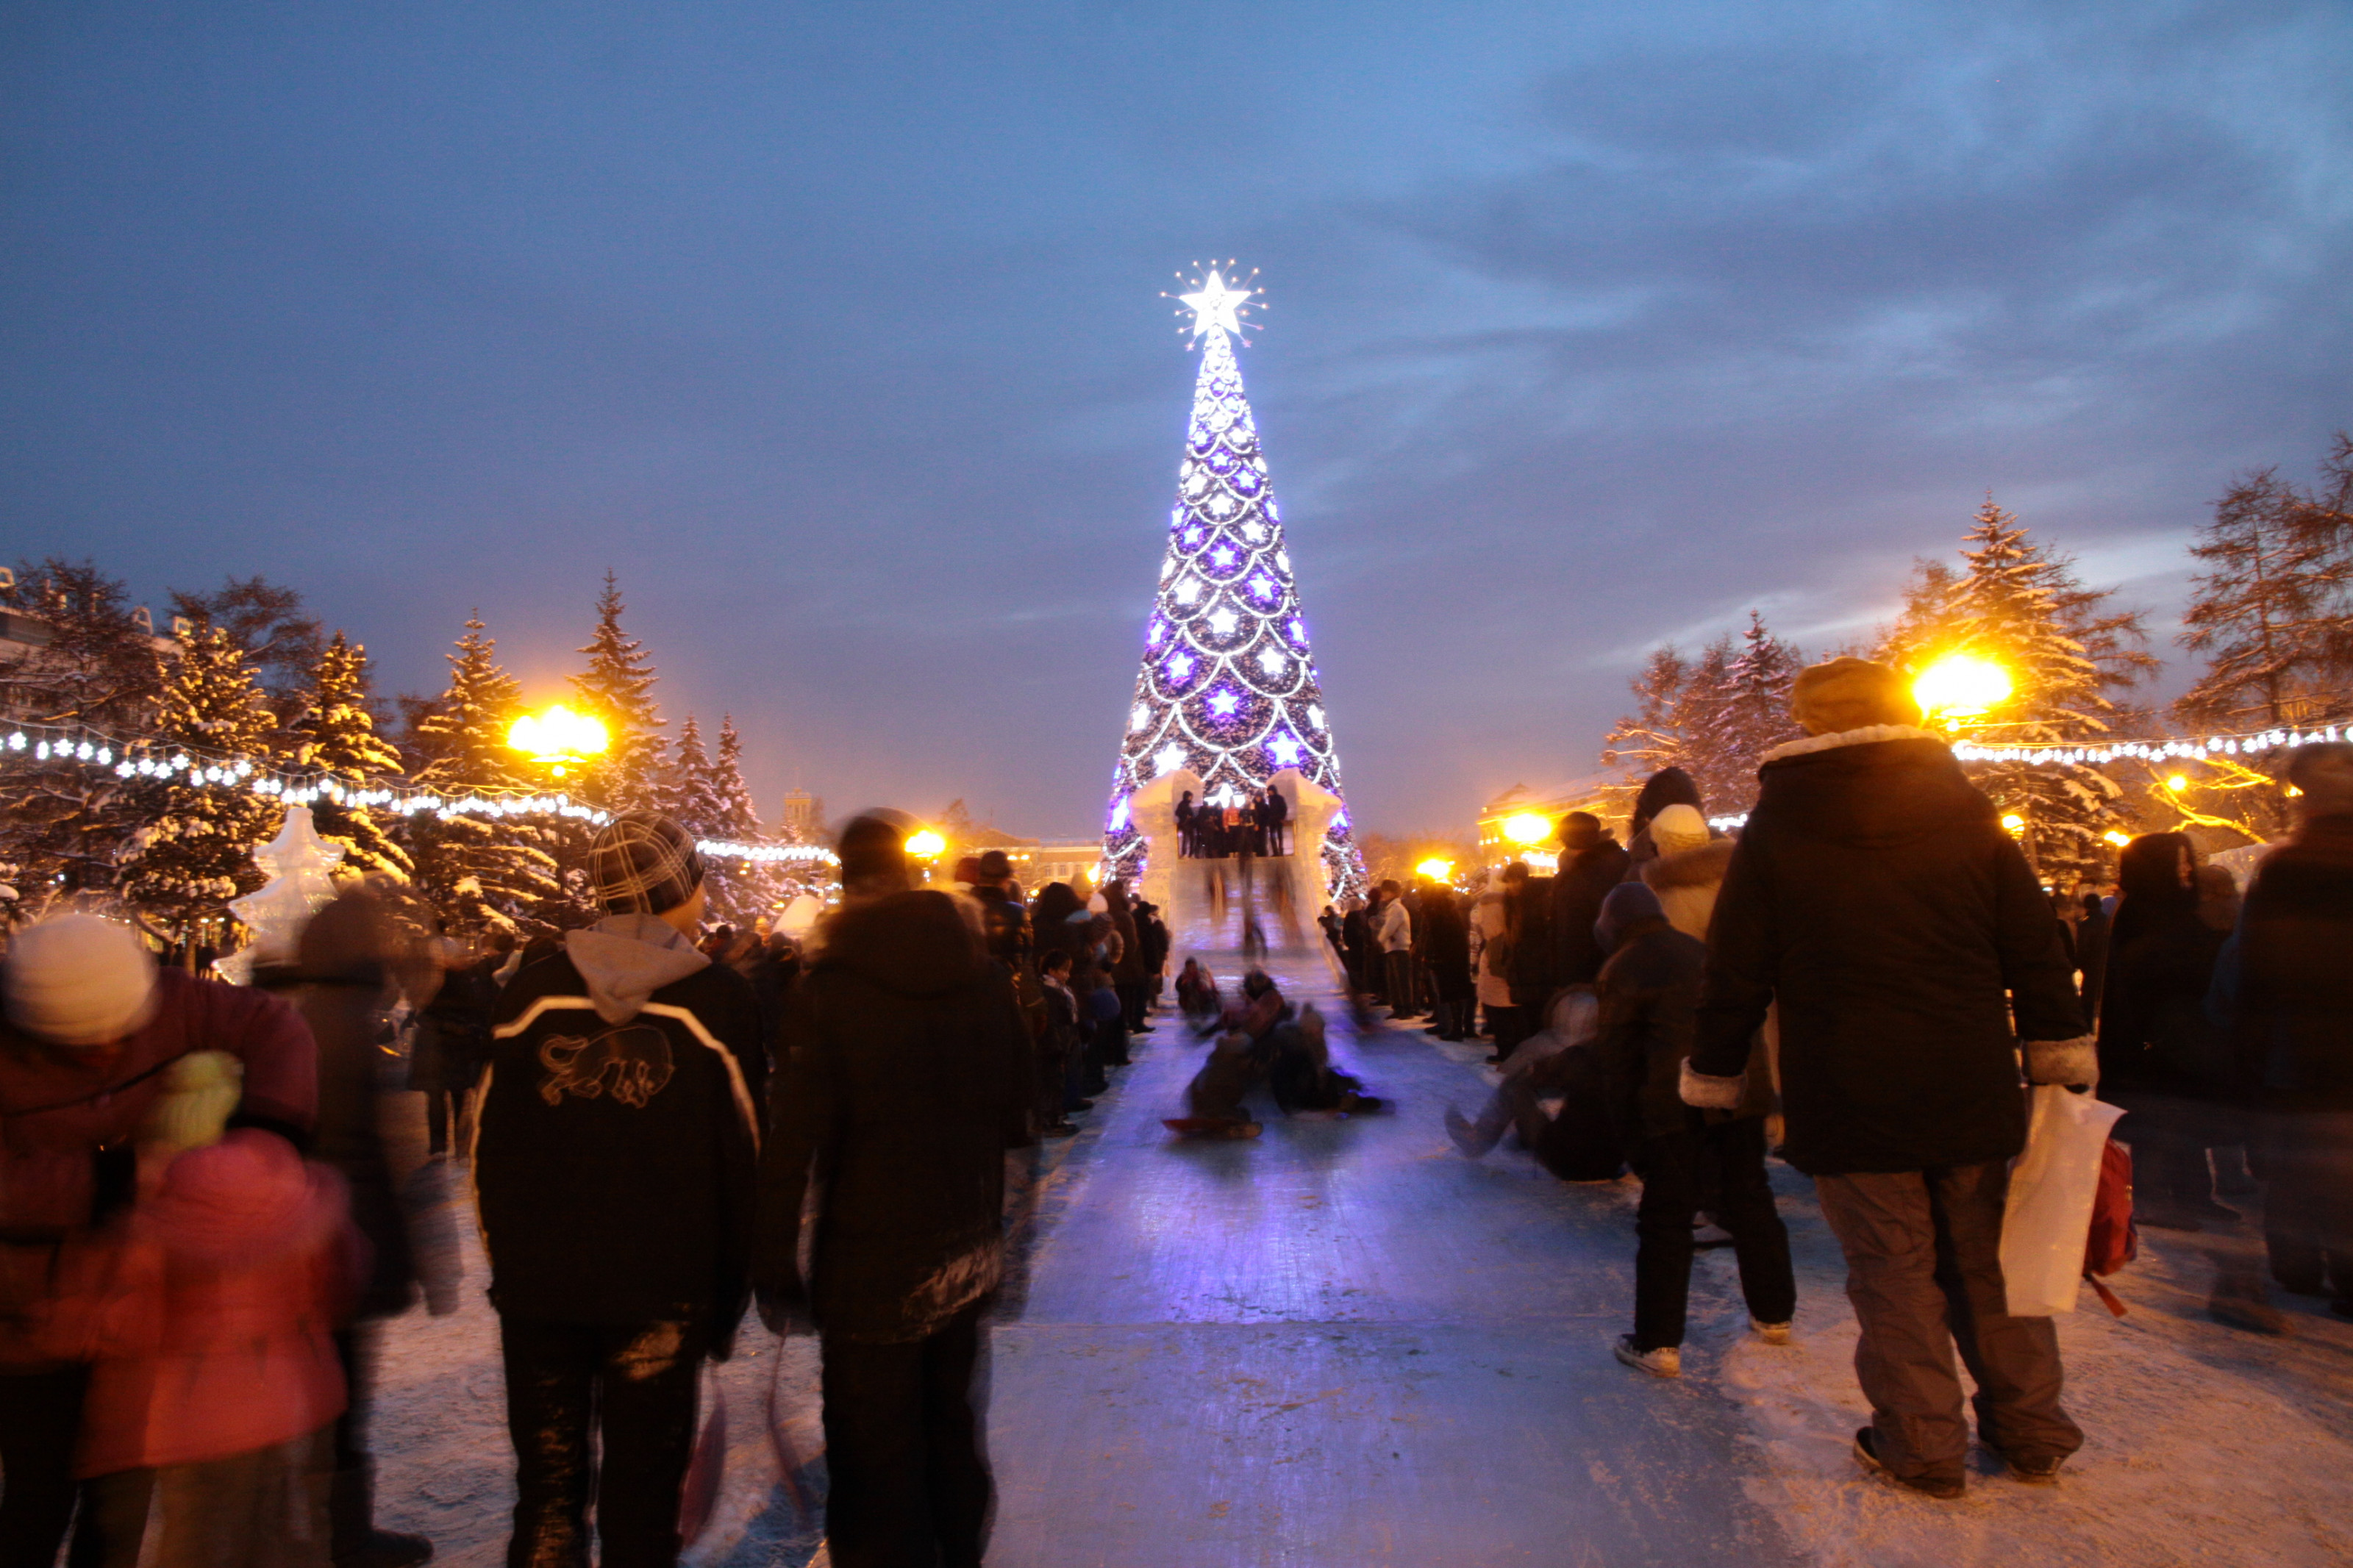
{"x": 834, "y": 330}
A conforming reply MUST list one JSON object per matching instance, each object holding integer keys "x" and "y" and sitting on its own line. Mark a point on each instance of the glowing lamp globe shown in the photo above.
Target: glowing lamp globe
{"x": 1436, "y": 869}
{"x": 2115, "y": 838}
{"x": 1960, "y": 686}
{"x": 559, "y": 738}
{"x": 923, "y": 844}
{"x": 1527, "y": 827}
{"x": 2178, "y": 783}
{"x": 2013, "y": 825}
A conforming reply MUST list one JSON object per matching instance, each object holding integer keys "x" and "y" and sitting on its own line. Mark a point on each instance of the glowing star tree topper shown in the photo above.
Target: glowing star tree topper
{"x": 1228, "y": 686}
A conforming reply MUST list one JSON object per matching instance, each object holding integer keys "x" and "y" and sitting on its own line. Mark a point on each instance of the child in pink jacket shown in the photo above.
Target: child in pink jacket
{"x": 208, "y": 1318}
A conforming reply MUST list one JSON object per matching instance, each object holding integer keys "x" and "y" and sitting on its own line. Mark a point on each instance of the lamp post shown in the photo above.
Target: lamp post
{"x": 1960, "y": 687}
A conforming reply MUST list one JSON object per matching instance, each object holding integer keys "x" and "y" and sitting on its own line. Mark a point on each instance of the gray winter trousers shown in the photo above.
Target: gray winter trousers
{"x": 1923, "y": 1271}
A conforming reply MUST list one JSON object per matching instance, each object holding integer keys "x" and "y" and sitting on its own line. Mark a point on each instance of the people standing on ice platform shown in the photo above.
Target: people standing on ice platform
{"x": 1688, "y": 1159}
{"x": 906, "y": 1077}
{"x": 1185, "y": 846}
{"x": 93, "y": 1028}
{"x": 2287, "y": 992}
{"x": 614, "y": 1169}
{"x": 1875, "y": 897}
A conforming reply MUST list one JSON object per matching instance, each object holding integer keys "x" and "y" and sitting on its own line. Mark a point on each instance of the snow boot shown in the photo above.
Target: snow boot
{"x": 1771, "y": 1333}
{"x": 1667, "y": 1361}
{"x": 1943, "y": 1488}
{"x": 2035, "y": 1472}
{"x": 356, "y": 1543}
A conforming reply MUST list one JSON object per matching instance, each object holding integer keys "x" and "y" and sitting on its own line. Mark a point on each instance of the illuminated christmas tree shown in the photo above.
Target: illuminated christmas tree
{"x": 1228, "y": 687}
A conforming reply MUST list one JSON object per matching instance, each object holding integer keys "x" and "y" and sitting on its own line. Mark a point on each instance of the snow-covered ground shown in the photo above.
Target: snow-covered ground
{"x": 2205, "y": 1443}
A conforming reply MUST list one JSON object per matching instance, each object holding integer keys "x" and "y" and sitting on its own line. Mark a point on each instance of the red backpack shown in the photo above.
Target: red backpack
{"x": 2113, "y": 1241}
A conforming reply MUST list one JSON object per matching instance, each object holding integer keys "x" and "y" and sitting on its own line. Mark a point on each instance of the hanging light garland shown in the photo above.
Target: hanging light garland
{"x": 189, "y": 764}
{"x": 2068, "y": 753}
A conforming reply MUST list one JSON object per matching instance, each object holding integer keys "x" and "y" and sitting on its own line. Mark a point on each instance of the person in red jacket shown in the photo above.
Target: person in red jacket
{"x": 207, "y": 1317}
{"x": 91, "y": 1028}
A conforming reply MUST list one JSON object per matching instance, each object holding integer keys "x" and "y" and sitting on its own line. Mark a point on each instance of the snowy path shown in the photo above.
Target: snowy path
{"x": 1342, "y": 1343}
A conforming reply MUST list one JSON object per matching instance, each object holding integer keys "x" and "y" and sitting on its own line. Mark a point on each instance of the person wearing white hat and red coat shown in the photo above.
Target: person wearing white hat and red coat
{"x": 91, "y": 1026}
{"x": 1875, "y": 897}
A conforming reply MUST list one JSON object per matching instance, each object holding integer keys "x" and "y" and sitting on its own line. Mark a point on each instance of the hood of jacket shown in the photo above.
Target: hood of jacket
{"x": 625, "y": 958}
{"x": 1873, "y": 788}
{"x": 1703, "y": 867}
{"x": 242, "y": 1201}
{"x": 912, "y": 945}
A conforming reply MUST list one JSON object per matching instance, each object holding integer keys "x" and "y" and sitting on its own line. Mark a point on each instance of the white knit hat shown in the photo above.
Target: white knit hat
{"x": 1678, "y": 827}
{"x": 77, "y": 980}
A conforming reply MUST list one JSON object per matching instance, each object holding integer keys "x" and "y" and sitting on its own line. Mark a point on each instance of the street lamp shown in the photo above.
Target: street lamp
{"x": 558, "y": 738}
{"x": 1527, "y": 827}
{"x": 1961, "y": 686}
{"x": 1436, "y": 869}
{"x": 923, "y": 844}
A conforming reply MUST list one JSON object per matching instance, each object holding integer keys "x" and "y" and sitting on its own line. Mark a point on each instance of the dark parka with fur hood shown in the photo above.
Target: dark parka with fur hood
{"x": 907, "y": 1074}
{"x": 1874, "y": 893}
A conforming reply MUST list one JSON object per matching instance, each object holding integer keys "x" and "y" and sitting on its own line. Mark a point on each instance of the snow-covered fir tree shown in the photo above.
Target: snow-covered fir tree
{"x": 336, "y": 735}
{"x": 2273, "y": 612}
{"x": 617, "y": 687}
{"x": 1749, "y": 715}
{"x": 2014, "y": 602}
{"x": 479, "y": 872}
{"x": 740, "y": 890}
{"x": 196, "y": 852}
{"x": 690, "y": 795}
{"x": 62, "y": 825}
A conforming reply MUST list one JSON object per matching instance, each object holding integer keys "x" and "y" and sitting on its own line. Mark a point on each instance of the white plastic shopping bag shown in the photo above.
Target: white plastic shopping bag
{"x": 2051, "y": 1186}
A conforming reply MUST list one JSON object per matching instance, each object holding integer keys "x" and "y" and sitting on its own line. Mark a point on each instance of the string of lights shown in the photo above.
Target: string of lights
{"x": 138, "y": 759}
{"x": 2076, "y": 754}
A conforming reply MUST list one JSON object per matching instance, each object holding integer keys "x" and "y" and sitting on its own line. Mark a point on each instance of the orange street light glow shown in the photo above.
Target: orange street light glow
{"x": 1960, "y": 686}
{"x": 558, "y": 737}
{"x": 923, "y": 844}
{"x": 1527, "y": 827}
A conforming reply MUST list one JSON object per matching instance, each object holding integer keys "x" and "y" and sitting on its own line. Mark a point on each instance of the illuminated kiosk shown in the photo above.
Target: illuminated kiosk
{"x": 1227, "y": 696}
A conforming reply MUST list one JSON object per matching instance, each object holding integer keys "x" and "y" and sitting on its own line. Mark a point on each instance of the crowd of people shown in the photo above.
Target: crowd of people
{"x": 1862, "y": 981}
{"x": 201, "y": 1233}
{"x": 1257, "y": 823}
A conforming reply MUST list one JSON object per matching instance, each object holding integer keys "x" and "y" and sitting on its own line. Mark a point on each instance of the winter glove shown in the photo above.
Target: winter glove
{"x": 1712, "y": 1093}
{"x": 2075, "y": 1063}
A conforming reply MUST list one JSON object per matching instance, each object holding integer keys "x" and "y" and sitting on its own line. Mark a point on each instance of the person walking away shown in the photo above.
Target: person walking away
{"x": 1875, "y": 897}
{"x": 1591, "y": 863}
{"x": 1394, "y": 933}
{"x": 1185, "y": 847}
{"x": 2160, "y": 1058}
{"x": 339, "y": 981}
{"x": 1448, "y": 946}
{"x": 1687, "y": 1158}
{"x": 93, "y": 1028}
{"x": 2291, "y": 1014}
{"x": 614, "y": 1172}
{"x": 1667, "y": 787}
{"x": 905, "y": 1083}
{"x": 2092, "y": 953}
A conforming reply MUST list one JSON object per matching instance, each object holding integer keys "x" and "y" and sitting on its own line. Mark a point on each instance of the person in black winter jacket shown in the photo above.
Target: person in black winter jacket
{"x": 2160, "y": 1057}
{"x": 1875, "y": 897}
{"x": 614, "y": 1169}
{"x": 907, "y": 1076}
{"x": 1650, "y": 992}
{"x": 1591, "y": 863}
{"x": 2288, "y": 998}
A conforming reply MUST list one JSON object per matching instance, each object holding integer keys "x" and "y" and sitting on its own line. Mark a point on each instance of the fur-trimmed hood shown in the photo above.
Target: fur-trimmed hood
{"x": 1699, "y": 868}
{"x": 1874, "y": 788}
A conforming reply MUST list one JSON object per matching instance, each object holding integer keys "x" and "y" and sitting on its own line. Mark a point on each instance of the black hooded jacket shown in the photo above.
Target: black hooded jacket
{"x": 1875, "y": 895}
{"x": 907, "y": 1075}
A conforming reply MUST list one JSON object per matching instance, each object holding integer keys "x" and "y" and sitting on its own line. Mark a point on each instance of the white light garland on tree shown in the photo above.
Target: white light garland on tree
{"x": 144, "y": 759}
{"x": 1227, "y": 688}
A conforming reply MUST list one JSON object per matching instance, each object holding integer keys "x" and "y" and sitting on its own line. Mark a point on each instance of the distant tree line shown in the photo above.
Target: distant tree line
{"x": 2271, "y": 615}
{"x": 248, "y": 671}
